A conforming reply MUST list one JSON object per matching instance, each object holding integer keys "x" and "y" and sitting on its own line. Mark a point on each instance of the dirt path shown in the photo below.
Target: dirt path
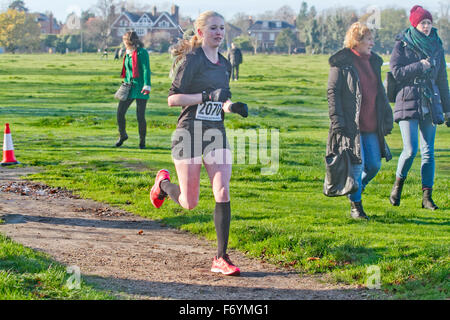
{"x": 139, "y": 258}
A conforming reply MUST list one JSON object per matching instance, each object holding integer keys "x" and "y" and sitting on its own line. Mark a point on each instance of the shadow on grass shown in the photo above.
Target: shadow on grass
{"x": 388, "y": 219}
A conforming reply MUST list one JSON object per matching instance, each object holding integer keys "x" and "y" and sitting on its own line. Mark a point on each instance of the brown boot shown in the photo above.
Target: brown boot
{"x": 427, "y": 201}
{"x": 357, "y": 210}
{"x": 396, "y": 192}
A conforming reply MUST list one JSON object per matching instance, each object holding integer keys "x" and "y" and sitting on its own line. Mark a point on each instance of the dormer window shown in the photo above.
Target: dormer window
{"x": 163, "y": 24}
{"x": 278, "y": 24}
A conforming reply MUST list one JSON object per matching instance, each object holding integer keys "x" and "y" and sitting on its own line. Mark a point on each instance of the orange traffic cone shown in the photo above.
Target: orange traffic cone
{"x": 8, "y": 148}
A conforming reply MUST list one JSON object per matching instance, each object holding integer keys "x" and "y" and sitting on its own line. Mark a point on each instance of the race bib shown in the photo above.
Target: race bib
{"x": 211, "y": 111}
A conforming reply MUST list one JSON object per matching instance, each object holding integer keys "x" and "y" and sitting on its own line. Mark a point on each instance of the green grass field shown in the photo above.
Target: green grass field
{"x": 62, "y": 115}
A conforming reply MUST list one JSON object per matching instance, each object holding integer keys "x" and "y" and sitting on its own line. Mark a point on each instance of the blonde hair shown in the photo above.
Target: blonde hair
{"x": 355, "y": 34}
{"x": 185, "y": 46}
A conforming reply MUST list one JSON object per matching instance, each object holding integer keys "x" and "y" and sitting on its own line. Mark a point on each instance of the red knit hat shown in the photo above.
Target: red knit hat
{"x": 418, "y": 14}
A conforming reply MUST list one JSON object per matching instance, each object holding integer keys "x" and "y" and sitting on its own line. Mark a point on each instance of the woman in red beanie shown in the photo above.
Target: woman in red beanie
{"x": 418, "y": 64}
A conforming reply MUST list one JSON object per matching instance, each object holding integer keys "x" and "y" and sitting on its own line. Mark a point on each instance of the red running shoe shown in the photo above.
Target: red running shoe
{"x": 157, "y": 196}
{"x": 225, "y": 266}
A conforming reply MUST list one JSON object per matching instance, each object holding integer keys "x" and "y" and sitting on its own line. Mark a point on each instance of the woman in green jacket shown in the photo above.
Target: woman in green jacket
{"x": 135, "y": 70}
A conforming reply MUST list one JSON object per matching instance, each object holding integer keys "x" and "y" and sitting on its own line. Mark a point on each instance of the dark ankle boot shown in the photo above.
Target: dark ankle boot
{"x": 427, "y": 201}
{"x": 396, "y": 192}
{"x": 357, "y": 210}
{"x": 142, "y": 143}
{"x": 122, "y": 138}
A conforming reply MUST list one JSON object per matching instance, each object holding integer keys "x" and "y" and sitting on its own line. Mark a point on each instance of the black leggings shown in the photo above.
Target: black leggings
{"x": 235, "y": 71}
{"x": 141, "y": 104}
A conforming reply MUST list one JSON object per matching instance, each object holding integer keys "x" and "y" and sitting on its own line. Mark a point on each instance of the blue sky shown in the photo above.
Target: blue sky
{"x": 228, "y": 8}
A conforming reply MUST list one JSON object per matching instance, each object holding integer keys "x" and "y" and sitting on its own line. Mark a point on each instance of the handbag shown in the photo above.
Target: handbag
{"x": 123, "y": 91}
{"x": 339, "y": 178}
{"x": 392, "y": 87}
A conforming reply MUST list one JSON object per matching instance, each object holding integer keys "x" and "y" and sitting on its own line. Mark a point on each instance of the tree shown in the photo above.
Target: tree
{"x": 100, "y": 27}
{"x": 443, "y": 24}
{"x": 241, "y": 20}
{"x": 86, "y": 15}
{"x": 243, "y": 42}
{"x": 302, "y": 21}
{"x": 313, "y": 36}
{"x": 255, "y": 43}
{"x": 18, "y": 30}
{"x": 286, "y": 39}
{"x": 285, "y": 13}
{"x": 334, "y": 25}
{"x": 132, "y": 6}
{"x": 393, "y": 22}
{"x": 267, "y": 15}
{"x": 18, "y": 5}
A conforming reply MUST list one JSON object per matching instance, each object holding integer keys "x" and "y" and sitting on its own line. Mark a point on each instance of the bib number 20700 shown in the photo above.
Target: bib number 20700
{"x": 211, "y": 111}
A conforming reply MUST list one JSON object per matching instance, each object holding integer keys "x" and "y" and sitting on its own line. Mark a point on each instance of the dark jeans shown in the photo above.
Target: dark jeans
{"x": 235, "y": 71}
{"x": 141, "y": 104}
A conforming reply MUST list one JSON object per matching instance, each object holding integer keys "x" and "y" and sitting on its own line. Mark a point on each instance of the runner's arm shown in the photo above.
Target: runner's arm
{"x": 184, "y": 99}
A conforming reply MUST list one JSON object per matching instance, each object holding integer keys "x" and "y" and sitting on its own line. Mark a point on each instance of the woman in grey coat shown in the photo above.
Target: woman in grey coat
{"x": 418, "y": 65}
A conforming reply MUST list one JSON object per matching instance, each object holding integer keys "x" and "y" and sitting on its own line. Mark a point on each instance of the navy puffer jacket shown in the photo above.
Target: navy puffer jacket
{"x": 408, "y": 71}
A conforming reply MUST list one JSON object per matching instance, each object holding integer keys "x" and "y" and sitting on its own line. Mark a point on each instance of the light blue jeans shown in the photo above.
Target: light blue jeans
{"x": 371, "y": 163}
{"x": 412, "y": 130}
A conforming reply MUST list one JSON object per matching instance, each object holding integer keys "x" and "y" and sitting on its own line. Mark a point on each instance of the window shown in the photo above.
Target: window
{"x": 145, "y": 21}
{"x": 265, "y": 24}
{"x": 141, "y": 31}
{"x": 123, "y": 23}
{"x": 121, "y": 31}
{"x": 259, "y": 36}
{"x": 278, "y": 24}
{"x": 163, "y": 24}
{"x": 272, "y": 36}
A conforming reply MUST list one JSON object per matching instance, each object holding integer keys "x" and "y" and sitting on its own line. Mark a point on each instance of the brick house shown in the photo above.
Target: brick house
{"x": 147, "y": 23}
{"x": 48, "y": 23}
{"x": 266, "y": 31}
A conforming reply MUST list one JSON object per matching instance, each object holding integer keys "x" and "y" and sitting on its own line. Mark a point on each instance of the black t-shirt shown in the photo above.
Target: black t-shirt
{"x": 196, "y": 74}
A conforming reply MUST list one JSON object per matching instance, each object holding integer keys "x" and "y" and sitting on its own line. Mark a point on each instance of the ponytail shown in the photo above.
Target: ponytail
{"x": 181, "y": 49}
{"x": 185, "y": 46}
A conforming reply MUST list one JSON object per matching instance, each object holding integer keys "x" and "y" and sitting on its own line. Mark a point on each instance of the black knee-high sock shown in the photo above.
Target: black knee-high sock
{"x": 171, "y": 189}
{"x": 222, "y": 217}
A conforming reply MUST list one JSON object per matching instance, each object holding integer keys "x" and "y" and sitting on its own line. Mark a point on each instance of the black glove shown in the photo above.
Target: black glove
{"x": 447, "y": 119}
{"x": 219, "y": 95}
{"x": 240, "y": 108}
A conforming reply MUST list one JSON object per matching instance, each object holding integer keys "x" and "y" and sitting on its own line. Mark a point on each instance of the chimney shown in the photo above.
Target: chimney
{"x": 112, "y": 11}
{"x": 174, "y": 12}
{"x": 250, "y": 20}
{"x": 154, "y": 11}
{"x": 50, "y": 21}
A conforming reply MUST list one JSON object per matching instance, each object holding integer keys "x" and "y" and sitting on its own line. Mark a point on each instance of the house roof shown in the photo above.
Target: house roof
{"x": 132, "y": 16}
{"x": 43, "y": 19}
{"x": 135, "y": 17}
{"x": 270, "y": 25}
{"x": 233, "y": 27}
